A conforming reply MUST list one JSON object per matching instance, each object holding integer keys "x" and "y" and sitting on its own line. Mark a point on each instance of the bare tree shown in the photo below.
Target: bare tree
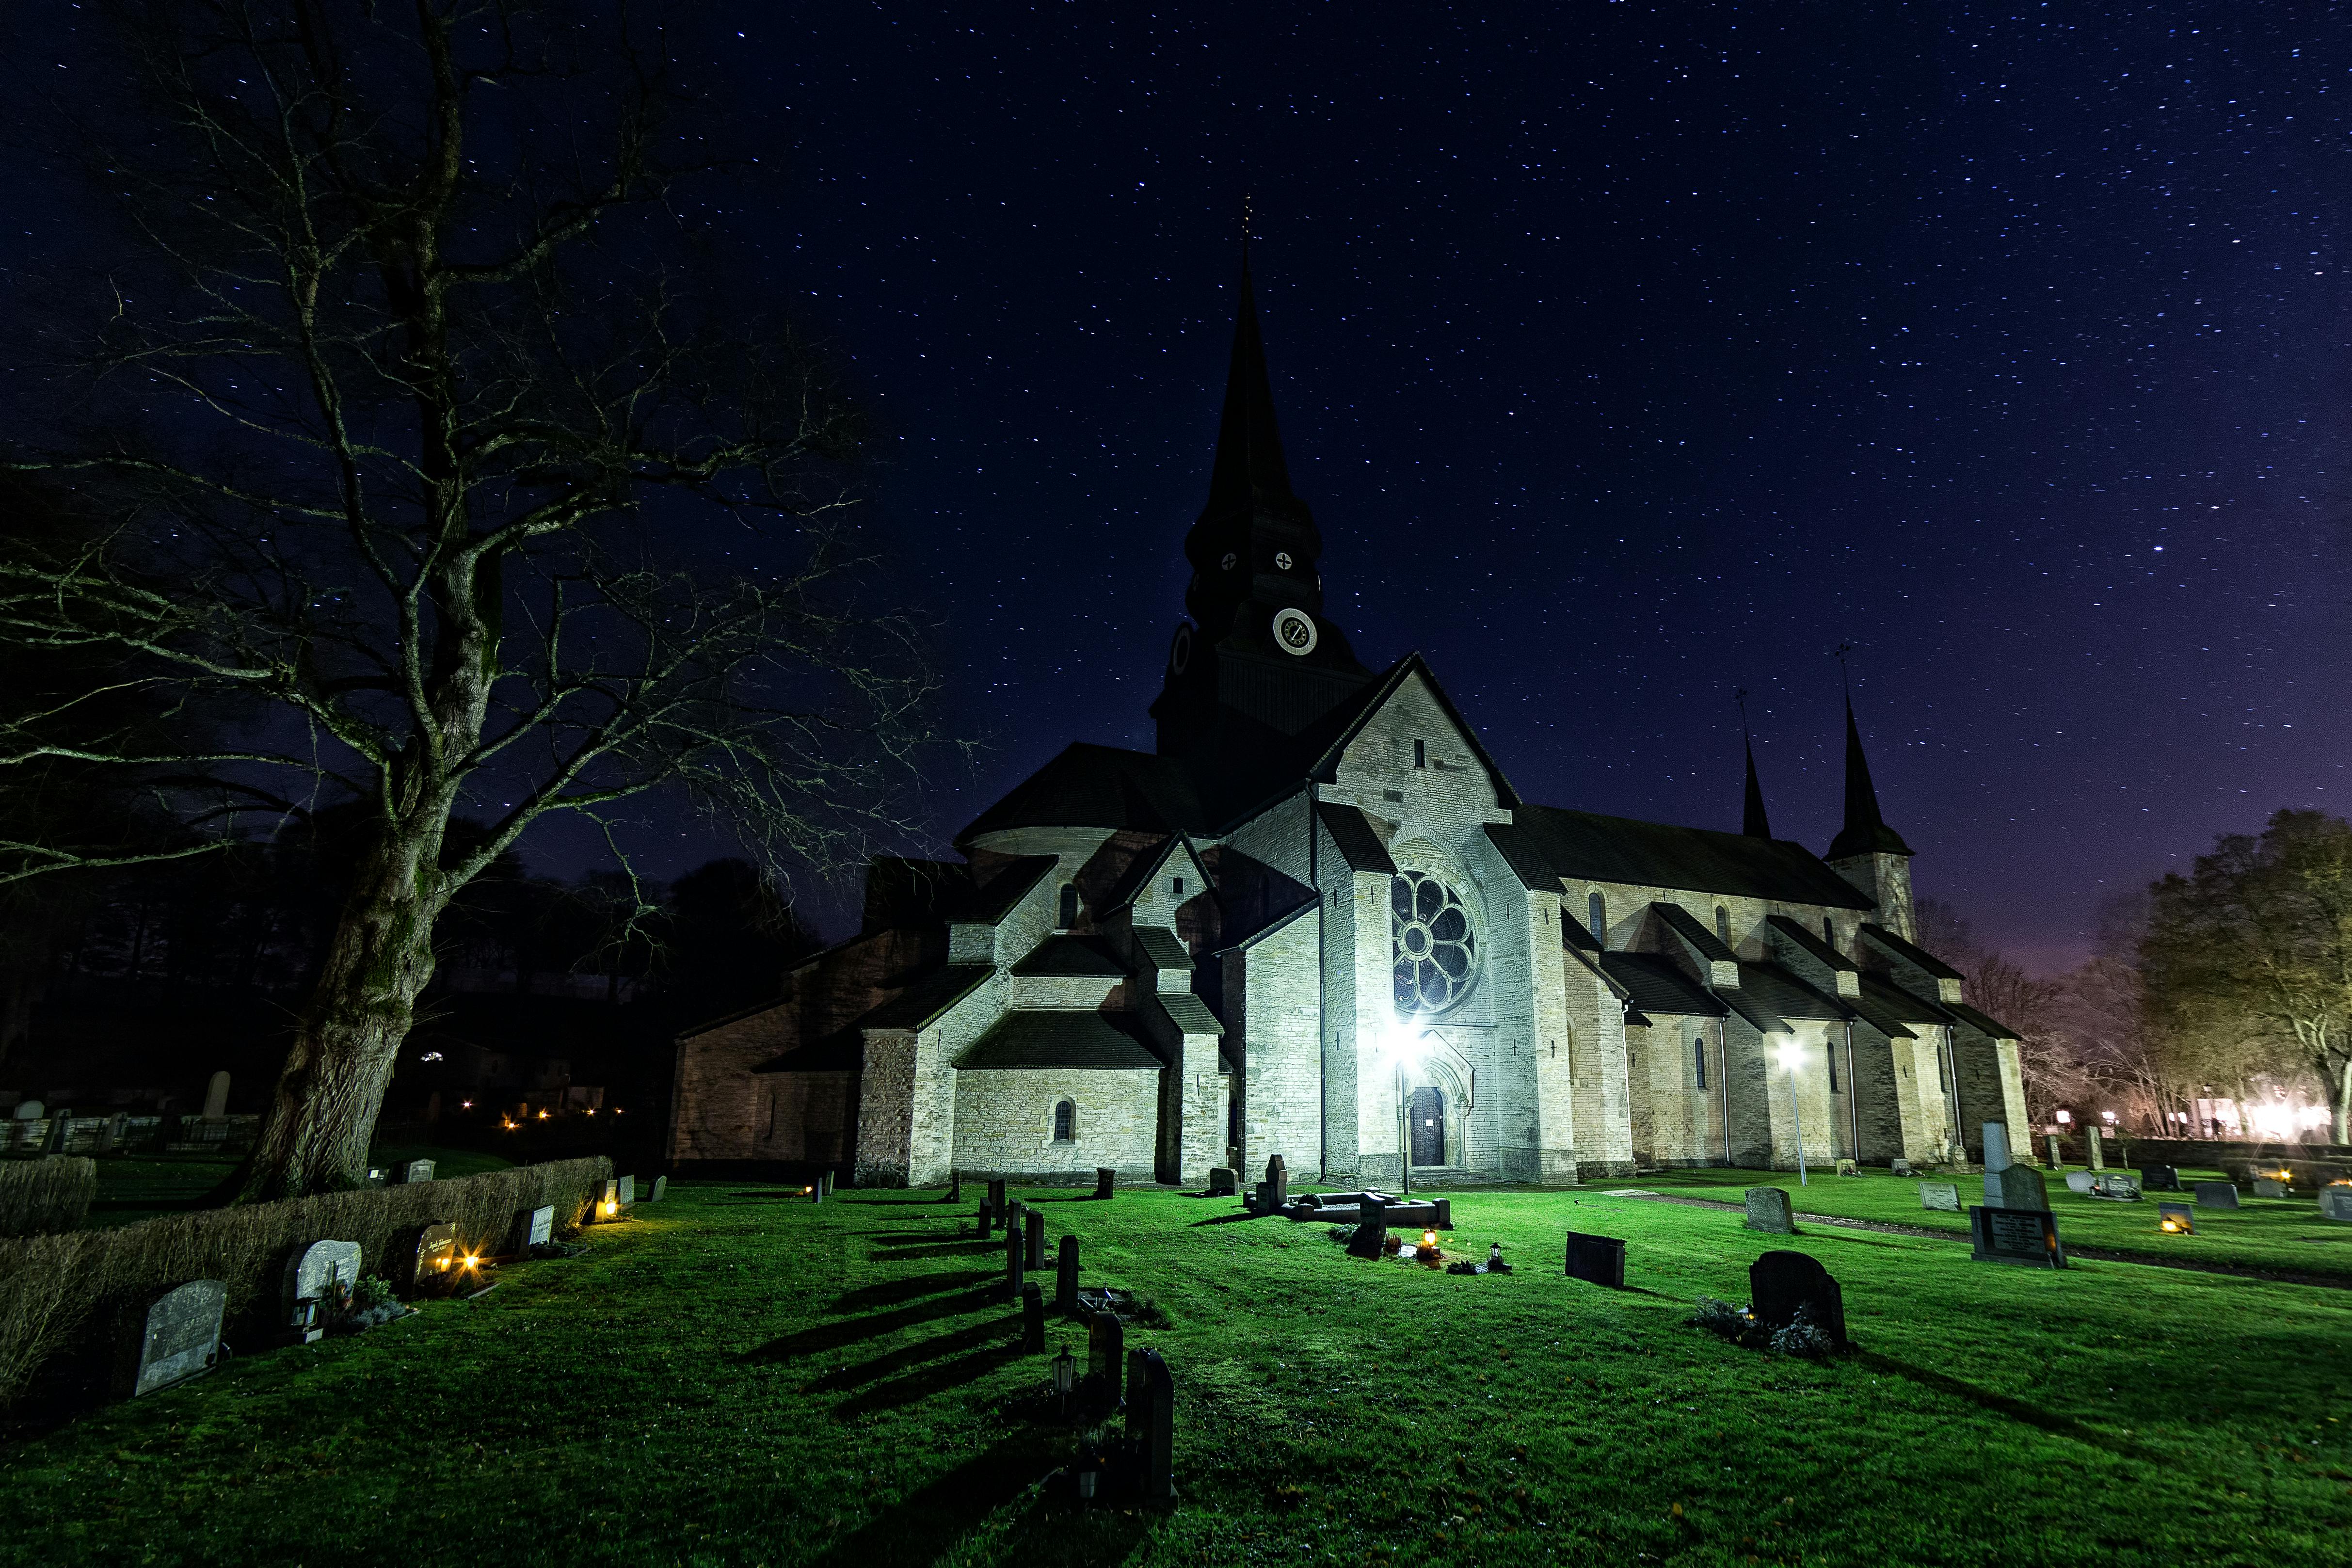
{"x": 438, "y": 447}
{"x": 2026, "y": 1003}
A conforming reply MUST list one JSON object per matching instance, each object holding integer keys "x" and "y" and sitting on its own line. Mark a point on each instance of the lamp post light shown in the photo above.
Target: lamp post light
{"x": 1789, "y": 1058}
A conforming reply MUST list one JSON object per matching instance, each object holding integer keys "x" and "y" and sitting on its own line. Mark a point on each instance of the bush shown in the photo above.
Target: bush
{"x": 39, "y": 1196}
{"x": 1721, "y": 1318}
{"x": 1803, "y": 1337}
{"x": 82, "y": 1292}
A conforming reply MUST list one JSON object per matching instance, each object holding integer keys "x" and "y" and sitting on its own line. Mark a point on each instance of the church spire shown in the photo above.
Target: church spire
{"x": 1752, "y": 822}
{"x": 1249, "y": 469}
{"x": 1865, "y": 831}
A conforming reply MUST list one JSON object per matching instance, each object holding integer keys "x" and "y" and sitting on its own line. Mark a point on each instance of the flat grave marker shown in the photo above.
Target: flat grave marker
{"x": 1768, "y": 1210}
{"x": 2178, "y": 1218}
{"x": 180, "y": 1338}
{"x": 2336, "y": 1203}
{"x": 1944, "y": 1197}
{"x": 2015, "y": 1236}
{"x": 1599, "y": 1259}
{"x": 2215, "y": 1195}
{"x": 2160, "y": 1179}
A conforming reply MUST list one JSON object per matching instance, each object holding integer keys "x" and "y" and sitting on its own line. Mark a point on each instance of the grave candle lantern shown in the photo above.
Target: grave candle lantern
{"x": 1066, "y": 1374}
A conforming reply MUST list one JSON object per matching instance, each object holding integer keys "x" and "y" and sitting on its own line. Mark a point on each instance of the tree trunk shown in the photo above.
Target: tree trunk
{"x": 323, "y": 1112}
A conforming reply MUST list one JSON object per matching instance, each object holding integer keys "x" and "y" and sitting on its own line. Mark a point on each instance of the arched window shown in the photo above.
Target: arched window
{"x": 1832, "y": 1052}
{"x": 1723, "y": 925}
{"x": 1829, "y": 933}
{"x": 1065, "y": 1122}
{"x": 1596, "y": 915}
{"x": 1069, "y": 906}
{"x": 1698, "y": 1058}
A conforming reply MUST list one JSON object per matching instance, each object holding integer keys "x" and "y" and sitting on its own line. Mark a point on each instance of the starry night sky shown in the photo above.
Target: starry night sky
{"x": 1627, "y": 356}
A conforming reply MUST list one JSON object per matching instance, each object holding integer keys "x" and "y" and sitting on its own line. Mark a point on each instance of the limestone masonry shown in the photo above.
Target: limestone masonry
{"x": 1318, "y": 922}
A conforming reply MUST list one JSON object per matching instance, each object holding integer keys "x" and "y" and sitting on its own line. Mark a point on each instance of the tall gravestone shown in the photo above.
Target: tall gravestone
{"x": 180, "y": 1336}
{"x": 1996, "y": 1148}
{"x": 987, "y": 1218}
{"x": 629, "y": 1185}
{"x": 2016, "y": 1187}
{"x": 1274, "y": 1193}
{"x": 1016, "y": 1257}
{"x": 315, "y": 1277}
{"x": 1768, "y": 1210}
{"x": 2098, "y": 1150}
{"x": 1105, "y": 1351}
{"x": 1033, "y": 1318}
{"x": 1032, "y": 1221}
{"x": 2016, "y": 1235}
{"x": 1598, "y": 1258}
{"x": 216, "y": 1097}
{"x": 1151, "y": 1424}
{"x": 1105, "y": 1181}
{"x": 1781, "y": 1283}
{"x": 997, "y": 1203}
{"x": 2054, "y": 1160}
{"x": 2215, "y": 1195}
{"x": 1066, "y": 1275}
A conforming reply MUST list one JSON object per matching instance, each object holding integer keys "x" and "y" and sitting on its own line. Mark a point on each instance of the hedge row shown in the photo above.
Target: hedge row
{"x": 75, "y": 1296}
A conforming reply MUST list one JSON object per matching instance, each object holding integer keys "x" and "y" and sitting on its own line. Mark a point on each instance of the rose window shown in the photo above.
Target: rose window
{"x": 1431, "y": 943}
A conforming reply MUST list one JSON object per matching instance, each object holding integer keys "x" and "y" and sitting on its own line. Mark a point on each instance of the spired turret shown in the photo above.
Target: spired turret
{"x": 1866, "y": 852}
{"x": 1257, "y": 661}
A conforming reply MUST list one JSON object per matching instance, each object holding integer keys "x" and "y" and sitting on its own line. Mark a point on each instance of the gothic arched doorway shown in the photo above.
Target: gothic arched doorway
{"x": 1426, "y": 1113}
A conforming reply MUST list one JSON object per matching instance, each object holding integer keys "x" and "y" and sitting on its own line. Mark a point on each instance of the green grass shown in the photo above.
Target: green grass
{"x": 132, "y": 1187}
{"x": 2284, "y": 1234}
{"x": 727, "y": 1378}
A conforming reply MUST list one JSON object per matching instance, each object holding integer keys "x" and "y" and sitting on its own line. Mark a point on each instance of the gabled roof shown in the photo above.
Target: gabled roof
{"x": 1076, "y": 957}
{"x": 1253, "y": 938}
{"x": 1333, "y": 733}
{"x": 1061, "y": 1039}
{"x": 1687, "y": 926}
{"x": 1820, "y": 951}
{"x": 1146, "y": 866}
{"x": 1654, "y": 985}
{"x": 1780, "y": 991}
{"x": 1978, "y": 1021}
{"x": 1587, "y": 846}
{"x": 1099, "y": 786}
{"x": 1520, "y": 853}
{"x": 1162, "y": 948}
{"x": 1893, "y": 1010}
{"x": 1936, "y": 967}
{"x": 991, "y": 900}
{"x": 1351, "y": 833}
{"x": 919, "y": 1006}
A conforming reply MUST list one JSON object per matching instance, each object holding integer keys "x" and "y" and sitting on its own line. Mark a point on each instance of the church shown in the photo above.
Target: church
{"x": 1318, "y": 921}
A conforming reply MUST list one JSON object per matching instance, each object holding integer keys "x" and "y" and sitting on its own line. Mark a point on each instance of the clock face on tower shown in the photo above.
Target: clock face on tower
{"x": 1179, "y": 652}
{"x": 1294, "y": 632}
{"x": 1282, "y": 560}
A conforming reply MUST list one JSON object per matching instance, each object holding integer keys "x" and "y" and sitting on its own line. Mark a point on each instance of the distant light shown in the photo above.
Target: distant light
{"x": 2065, "y": 1116}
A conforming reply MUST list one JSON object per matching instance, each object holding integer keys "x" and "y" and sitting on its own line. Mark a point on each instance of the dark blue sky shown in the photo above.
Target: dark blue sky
{"x": 1629, "y": 356}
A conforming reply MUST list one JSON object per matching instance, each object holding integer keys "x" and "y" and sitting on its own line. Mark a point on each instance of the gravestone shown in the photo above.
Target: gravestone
{"x": 1033, "y": 1318}
{"x": 658, "y": 1191}
{"x": 816, "y": 1192}
{"x": 1151, "y": 1424}
{"x": 2016, "y": 1187}
{"x": 1942, "y": 1196}
{"x": 629, "y": 1185}
{"x": 955, "y": 1187}
{"x": 180, "y": 1337}
{"x": 1032, "y": 1221}
{"x": 1782, "y": 1282}
{"x": 1599, "y": 1259}
{"x": 2180, "y": 1217}
{"x": 433, "y": 1265}
{"x": 1274, "y": 1193}
{"x": 997, "y": 1205}
{"x": 417, "y": 1171}
{"x": 1016, "y": 1257}
{"x": 315, "y": 1277}
{"x": 2116, "y": 1186}
{"x": 1848, "y": 1168}
{"x": 532, "y": 1227}
{"x": 2098, "y": 1152}
{"x": 2054, "y": 1160}
{"x": 2080, "y": 1181}
{"x": 1106, "y": 1353}
{"x": 1066, "y": 1275}
{"x": 1996, "y": 1147}
{"x": 30, "y": 1111}
{"x": 2269, "y": 1187}
{"x": 1106, "y": 1179}
{"x": 606, "y": 1204}
{"x": 824, "y": 1180}
{"x": 216, "y": 1098}
{"x": 1768, "y": 1210}
{"x": 2336, "y": 1203}
{"x": 987, "y": 1218}
{"x": 2015, "y": 1236}
{"x": 2215, "y": 1195}
{"x": 2160, "y": 1179}
{"x": 1369, "y": 1234}
{"x": 1223, "y": 1182}
{"x": 1899, "y": 1167}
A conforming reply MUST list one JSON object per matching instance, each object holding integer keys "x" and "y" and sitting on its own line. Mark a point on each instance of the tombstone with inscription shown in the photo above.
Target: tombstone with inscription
{"x": 1105, "y": 1356}
{"x": 2016, "y": 1235}
{"x": 2016, "y": 1187}
{"x": 1223, "y": 1182}
{"x": 1944, "y": 1197}
{"x": 1066, "y": 1275}
{"x": 2160, "y": 1179}
{"x": 2176, "y": 1219}
{"x": 1768, "y": 1210}
{"x": 2336, "y": 1201}
{"x": 216, "y": 1098}
{"x": 2215, "y": 1195}
{"x": 417, "y": 1171}
{"x": 1105, "y": 1181}
{"x": 1898, "y": 1166}
{"x": 315, "y": 1278}
{"x": 1599, "y": 1259}
{"x": 1782, "y": 1283}
{"x": 2116, "y": 1186}
{"x": 1151, "y": 1424}
{"x": 1033, "y": 1224}
{"x": 179, "y": 1337}
{"x": 2269, "y": 1187}
{"x": 431, "y": 1264}
{"x": 658, "y": 1191}
{"x": 1033, "y": 1318}
{"x": 532, "y": 1227}
{"x": 629, "y": 1185}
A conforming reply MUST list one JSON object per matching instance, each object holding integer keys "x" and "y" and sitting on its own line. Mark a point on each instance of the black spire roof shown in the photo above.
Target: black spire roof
{"x": 1865, "y": 831}
{"x": 1250, "y": 472}
{"x": 1751, "y": 809}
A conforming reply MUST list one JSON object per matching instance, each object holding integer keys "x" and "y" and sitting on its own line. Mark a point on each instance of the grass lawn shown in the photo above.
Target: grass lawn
{"x": 132, "y": 1187}
{"x": 2287, "y": 1235}
{"x": 729, "y": 1378}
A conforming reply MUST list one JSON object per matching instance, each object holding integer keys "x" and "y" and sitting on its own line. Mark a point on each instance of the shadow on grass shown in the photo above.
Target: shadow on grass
{"x": 898, "y": 1292}
{"x": 1047, "y": 1536}
{"x": 938, "y": 1249}
{"x": 832, "y": 1336}
{"x": 976, "y": 1336}
{"x": 921, "y": 1527}
{"x": 1232, "y": 1218}
{"x": 2015, "y": 1409}
{"x": 917, "y": 1386}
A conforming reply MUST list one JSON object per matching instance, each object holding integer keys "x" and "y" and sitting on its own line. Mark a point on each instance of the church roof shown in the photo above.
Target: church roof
{"x": 1084, "y": 957}
{"x": 1099, "y": 786}
{"x": 1068, "y": 1039}
{"x": 1780, "y": 991}
{"x": 1352, "y": 831}
{"x": 1591, "y": 847}
{"x": 1981, "y": 1022}
{"x": 1935, "y": 967}
{"x": 1520, "y": 853}
{"x": 1322, "y": 743}
{"x": 920, "y": 1003}
{"x": 1654, "y": 985}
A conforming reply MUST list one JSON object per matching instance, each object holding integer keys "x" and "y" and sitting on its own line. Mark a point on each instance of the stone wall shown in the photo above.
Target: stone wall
{"x": 1675, "y": 1119}
{"x": 1004, "y": 1121}
{"x": 1272, "y": 1008}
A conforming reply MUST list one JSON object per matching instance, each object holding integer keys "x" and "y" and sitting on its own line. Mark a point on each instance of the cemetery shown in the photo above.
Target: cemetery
{"x": 737, "y": 1372}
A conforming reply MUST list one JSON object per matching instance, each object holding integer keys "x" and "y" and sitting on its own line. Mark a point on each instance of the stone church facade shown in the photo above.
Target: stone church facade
{"x": 1318, "y": 921}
